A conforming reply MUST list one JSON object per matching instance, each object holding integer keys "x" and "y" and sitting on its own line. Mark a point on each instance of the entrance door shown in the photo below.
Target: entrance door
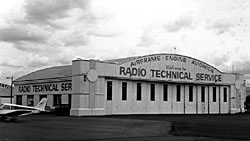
{"x": 178, "y": 99}
{"x": 190, "y": 99}
{"x": 224, "y": 99}
{"x": 202, "y": 100}
{"x": 214, "y": 97}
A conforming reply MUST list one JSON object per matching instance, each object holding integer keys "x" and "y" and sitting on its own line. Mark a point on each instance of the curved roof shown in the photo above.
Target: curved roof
{"x": 66, "y": 71}
{"x": 120, "y": 60}
{"x": 53, "y": 72}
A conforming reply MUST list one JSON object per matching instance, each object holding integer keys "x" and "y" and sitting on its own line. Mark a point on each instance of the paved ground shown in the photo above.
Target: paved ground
{"x": 235, "y": 126}
{"x": 143, "y": 127}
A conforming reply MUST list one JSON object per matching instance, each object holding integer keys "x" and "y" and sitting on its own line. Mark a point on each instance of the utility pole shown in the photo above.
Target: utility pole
{"x": 11, "y": 84}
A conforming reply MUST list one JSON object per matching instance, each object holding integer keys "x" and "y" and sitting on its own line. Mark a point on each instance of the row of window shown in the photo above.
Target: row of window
{"x": 57, "y": 99}
{"x": 165, "y": 92}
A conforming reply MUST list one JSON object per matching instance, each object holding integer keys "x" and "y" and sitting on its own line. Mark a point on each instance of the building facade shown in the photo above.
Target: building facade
{"x": 53, "y": 83}
{"x": 151, "y": 84}
{"x": 5, "y": 93}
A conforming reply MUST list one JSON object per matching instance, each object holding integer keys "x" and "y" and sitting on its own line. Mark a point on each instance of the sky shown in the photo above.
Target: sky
{"x": 37, "y": 34}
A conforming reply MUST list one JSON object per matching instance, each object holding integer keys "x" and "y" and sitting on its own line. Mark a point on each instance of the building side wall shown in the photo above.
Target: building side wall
{"x": 48, "y": 89}
{"x": 171, "y": 106}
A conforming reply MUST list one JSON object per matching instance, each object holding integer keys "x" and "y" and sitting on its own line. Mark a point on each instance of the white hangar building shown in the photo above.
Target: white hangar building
{"x": 151, "y": 84}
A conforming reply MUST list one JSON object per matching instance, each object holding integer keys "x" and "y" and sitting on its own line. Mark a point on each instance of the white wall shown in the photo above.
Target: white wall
{"x": 5, "y": 100}
{"x": 146, "y": 106}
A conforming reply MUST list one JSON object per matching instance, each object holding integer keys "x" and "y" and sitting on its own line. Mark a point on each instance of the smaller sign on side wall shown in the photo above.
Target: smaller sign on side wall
{"x": 45, "y": 88}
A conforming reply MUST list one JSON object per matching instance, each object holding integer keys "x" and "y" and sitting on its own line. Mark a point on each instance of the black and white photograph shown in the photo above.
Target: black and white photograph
{"x": 101, "y": 70}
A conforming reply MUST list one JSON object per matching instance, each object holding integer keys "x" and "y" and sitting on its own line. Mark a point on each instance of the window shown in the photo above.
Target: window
{"x": 138, "y": 96}
{"x": 124, "y": 90}
{"x": 19, "y": 99}
{"x": 214, "y": 94}
{"x": 57, "y": 99}
{"x": 178, "y": 93}
{"x": 202, "y": 94}
{"x": 225, "y": 94}
{"x": 152, "y": 92}
{"x": 109, "y": 90}
{"x": 165, "y": 92}
{"x": 69, "y": 99}
{"x": 190, "y": 93}
{"x": 30, "y": 100}
{"x": 42, "y": 96}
